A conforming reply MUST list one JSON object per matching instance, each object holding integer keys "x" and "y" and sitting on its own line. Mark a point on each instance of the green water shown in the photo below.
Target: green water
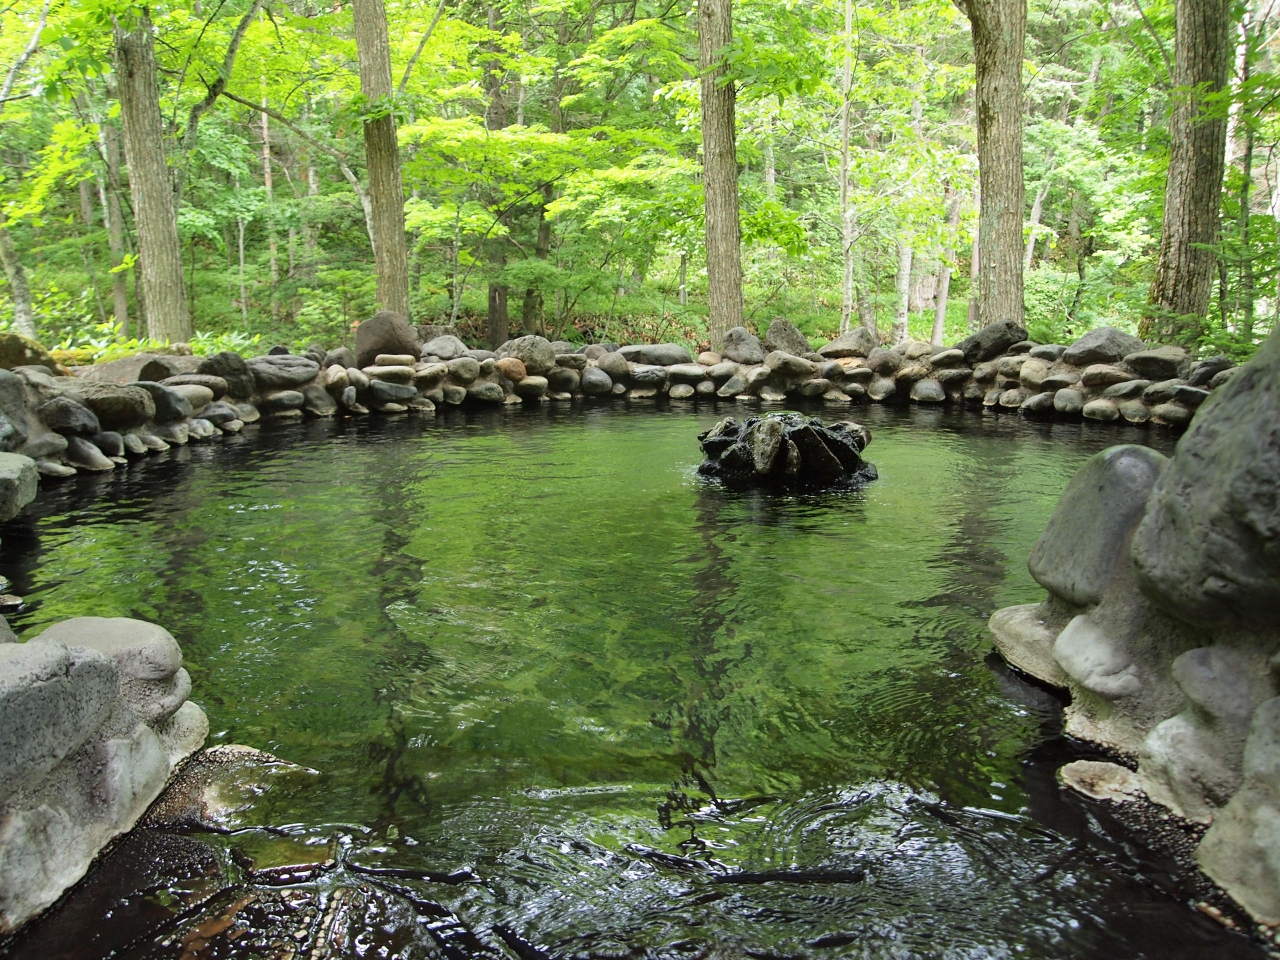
{"x": 538, "y": 647}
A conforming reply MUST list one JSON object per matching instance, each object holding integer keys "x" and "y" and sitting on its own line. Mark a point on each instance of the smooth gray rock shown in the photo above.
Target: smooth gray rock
{"x": 110, "y": 443}
{"x": 83, "y": 455}
{"x": 858, "y": 342}
{"x": 657, "y": 354}
{"x": 342, "y": 356}
{"x": 1098, "y": 376}
{"x": 447, "y": 347}
{"x": 1127, "y": 390}
{"x": 48, "y": 468}
{"x": 686, "y": 372}
{"x": 384, "y": 391}
{"x": 1088, "y": 534}
{"x": 788, "y": 365}
{"x": 885, "y": 361}
{"x": 531, "y": 388}
{"x": 563, "y": 379}
{"x": 52, "y": 700}
{"x": 574, "y": 361}
{"x": 536, "y": 353}
{"x": 742, "y": 346}
{"x": 785, "y": 336}
{"x": 68, "y": 416}
{"x": 216, "y": 384}
{"x": 171, "y": 406}
{"x": 282, "y": 400}
{"x": 282, "y": 372}
{"x": 1161, "y": 391}
{"x": 732, "y": 387}
{"x": 951, "y": 357}
{"x": 464, "y": 370}
{"x": 928, "y": 391}
{"x": 681, "y": 391}
{"x": 231, "y": 367}
{"x": 1063, "y": 380}
{"x": 595, "y": 382}
{"x": 1038, "y": 403}
{"x": 1158, "y": 363}
{"x": 615, "y": 365}
{"x": 991, "y": 341}
{"x": 1171, "y": 414}
{"x": 486, "y": 391}
{"x": 1096, "y": 661}
{"x": 1102, "y": 345}
{"x": 1206, "y": 549}
{"x": 1101, "y": 409}
{"x": 219, "y": 413}
{"x": 1203, "y": 371}
{"x": 19, "y": 482}
{"x": 1189, "y": 396}
{"x": 317, "y": 401}
{"x": 1051, "y": 352}
{"x": 648, "y": 376}
{"x": 594, "y": 351}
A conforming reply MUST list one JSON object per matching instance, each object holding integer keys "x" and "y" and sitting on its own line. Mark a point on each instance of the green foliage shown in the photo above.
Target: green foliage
{"x": 555, "y": 152}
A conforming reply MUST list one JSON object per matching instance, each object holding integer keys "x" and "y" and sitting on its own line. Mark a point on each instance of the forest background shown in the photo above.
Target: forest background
{"x": 550, "y": 149}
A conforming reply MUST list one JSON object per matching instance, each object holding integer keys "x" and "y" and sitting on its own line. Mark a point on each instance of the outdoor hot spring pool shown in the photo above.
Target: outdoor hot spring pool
{"x": 643, "y": 716}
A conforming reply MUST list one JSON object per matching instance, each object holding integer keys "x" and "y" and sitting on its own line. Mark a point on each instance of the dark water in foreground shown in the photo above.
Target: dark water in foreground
{"x": 652, "y": 717}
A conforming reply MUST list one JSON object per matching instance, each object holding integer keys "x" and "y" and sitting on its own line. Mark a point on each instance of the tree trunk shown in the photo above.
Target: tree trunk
{"x": 1180, "y": 290}
{"x": 24, "y": 318}
{"x": 113, "y": 215}
{"x": 974, "y": 266}
{"x": 902, "y": 287}
{"x": 532, "y": 311}
{"x": 496, "y": 111}
{"x": 164, "y": 294}
{"x": 999, "y": 31}
{"x": 719, "y": 171}
{"x": 273, "y": 251}
{"x": 846, "y": 209}
{"x": 1247, "y": 292}
{"x": 382, "y": 155}
{"x": 944, "y": 276}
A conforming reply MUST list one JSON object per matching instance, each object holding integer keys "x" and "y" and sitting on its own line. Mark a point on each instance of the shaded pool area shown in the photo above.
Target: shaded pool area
{"x": 643, "y": 715}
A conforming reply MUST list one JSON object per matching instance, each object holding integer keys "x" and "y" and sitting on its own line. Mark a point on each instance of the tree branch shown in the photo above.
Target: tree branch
{"x": 413, "y": 61}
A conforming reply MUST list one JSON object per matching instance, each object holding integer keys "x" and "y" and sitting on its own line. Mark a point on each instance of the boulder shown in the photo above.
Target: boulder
{"x": 1089, "y": 532}
{"x": 681, "y": 391}
{"x": 385, "y": 332}
{"x": 1102, "y": 345}
{"x": 513, "y": 369}
{"x": 384, "y": 391}
{"x": 1158, "y": 363}
{"x": 787, "y": 450}
{"x": 124, "y": 370}
{"x": 563, "y": 380}
{"x": 462, "y": 370}
{"x": 486, "y": 391}
{"x": 281, "y": 400}
{"x": 951, "y": 357}
{"x": 1128, "y": 390}
{"x": 68, "y": 416}
{"x": 536, "y": 353}
{"x": 531, "y": 388}
{"x": 199, "y": 397}
{"x": 1037, "y": 404}
{"x": 117, "y": 408}
{"x": 216, "y": 385}
{"x": 1217, "y": 504}
{"x": 282, "y": 371}
{"x": 858, "y": 342}
{"x": 615, "y": 365}
{"x": 84, "y": 455}
{"x": 928, "y": 391}
{"x": 1100, "y": 375}
{"x": 1171, "y": 414}
{"x": 342, "y": 357}
{"x": 657, "y": 354}
{"x": 233, "y": 370}
{"x": 783, "y": 335}
{"x": 161, "y": 368}
{"x": 220, "y": 414}
{"x": 742, "y": 346}
{"x": 686, "y": 372}
{"x": 991, "y": 341}
{"x": 1050, "y": 352}
{"x": 19, "y": 351}
{"x": 787, "y": 365}
{"x": 19, "y": 480}
{"x": 317, "y": 401}
{"x": 1203, "y": 371}
{"x": 445, "y": 348}
{"x": 595, "y": 382}
{"x": 1101, "y": 409}
{"x": 1069, "y": 402}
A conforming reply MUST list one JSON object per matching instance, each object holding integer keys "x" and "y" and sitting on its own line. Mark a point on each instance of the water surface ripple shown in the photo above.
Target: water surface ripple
{"x": 650, "y": 717}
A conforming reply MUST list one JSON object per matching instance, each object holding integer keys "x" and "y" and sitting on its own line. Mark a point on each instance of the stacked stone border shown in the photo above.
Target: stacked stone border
{"x": 96, "y": 418}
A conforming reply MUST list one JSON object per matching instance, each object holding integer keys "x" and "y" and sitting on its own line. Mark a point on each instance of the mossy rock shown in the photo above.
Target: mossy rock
{"x": 19, "y": 351}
